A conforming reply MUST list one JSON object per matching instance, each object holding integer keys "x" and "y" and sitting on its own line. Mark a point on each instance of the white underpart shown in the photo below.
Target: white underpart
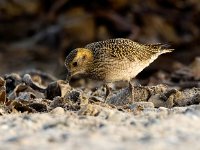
{"x": 126, "y": 70}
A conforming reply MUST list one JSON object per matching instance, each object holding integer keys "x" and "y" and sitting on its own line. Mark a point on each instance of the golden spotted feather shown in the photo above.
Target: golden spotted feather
{"x": 124, "y": 48}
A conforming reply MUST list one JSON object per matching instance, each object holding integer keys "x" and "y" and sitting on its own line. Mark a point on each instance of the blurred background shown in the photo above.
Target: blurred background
{"x": 38, "y": 34}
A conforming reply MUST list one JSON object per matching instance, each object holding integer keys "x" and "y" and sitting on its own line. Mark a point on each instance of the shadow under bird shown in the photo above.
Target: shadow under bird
{"x": 113, "y": 60}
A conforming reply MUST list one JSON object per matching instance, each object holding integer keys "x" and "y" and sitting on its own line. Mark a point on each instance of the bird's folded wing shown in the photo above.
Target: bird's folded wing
{"x": 125, "y": 48}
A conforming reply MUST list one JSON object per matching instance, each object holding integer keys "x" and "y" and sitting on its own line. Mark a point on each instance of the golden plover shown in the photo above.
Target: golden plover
{"x": 113, "y": 60}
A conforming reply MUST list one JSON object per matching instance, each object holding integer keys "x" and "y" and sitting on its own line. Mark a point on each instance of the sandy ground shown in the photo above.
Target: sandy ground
{"x": 40, "y": 34}
{"x": 162, "y": 128}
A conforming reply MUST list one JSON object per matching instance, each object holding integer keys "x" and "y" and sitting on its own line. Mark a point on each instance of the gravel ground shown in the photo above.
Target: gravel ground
{"x": 176, "y": 128}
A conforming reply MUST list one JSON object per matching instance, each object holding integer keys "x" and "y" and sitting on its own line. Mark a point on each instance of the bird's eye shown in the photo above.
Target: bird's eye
{"x": 84, "y": 57}
{"x": 75, "y": 64}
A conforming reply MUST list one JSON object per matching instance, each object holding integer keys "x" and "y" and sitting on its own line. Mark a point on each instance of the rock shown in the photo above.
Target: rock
{"x": 2, "y": 91}
{"x": 195, "y": 68}
{"x": 57, "y": 88}
{"x": 90, "y": 110}
{"x": 141, "y": 93}
{"x": 159, "y": 102}
{"x": 39, "y": 107}
{"x": 58, "y": 111}
{"x": 2, "y": 112}
{"x": 144, "y": 105}
{"x": 57, "y": 102}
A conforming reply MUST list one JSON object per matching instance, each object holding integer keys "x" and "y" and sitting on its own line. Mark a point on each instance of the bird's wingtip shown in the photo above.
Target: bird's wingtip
{"x": 166, "y": 48}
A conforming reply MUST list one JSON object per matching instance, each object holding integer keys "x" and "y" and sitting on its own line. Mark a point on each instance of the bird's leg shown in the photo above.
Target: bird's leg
{"x": 108, "y": 91}
{"x": 131, "y": 88}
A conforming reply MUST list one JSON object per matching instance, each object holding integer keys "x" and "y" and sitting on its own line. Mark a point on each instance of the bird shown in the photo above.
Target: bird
{"x": 113, "y": 60}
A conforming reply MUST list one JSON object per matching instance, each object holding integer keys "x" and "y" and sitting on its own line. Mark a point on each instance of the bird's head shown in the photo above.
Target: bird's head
{"x": 78, "y": 61}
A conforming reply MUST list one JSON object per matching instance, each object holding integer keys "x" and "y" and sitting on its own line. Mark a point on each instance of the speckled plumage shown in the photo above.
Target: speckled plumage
{"x": 115, "y": 59}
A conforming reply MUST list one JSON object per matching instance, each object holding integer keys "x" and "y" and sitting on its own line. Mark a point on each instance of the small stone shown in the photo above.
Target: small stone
{"x": 159, "y": 102}
{"x": 2, "y": 111}
{"x": 58, "y": 111}
{"x": 116, "y": 116}
{"x": 195, "y": 68}
{"x": 57, "y": 102}
{"x": 144, "y": 105}
{"x": 89, "y": 110}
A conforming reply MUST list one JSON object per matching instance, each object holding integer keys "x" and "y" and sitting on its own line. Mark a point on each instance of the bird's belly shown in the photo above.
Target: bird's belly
{"x": 124, "y": 71}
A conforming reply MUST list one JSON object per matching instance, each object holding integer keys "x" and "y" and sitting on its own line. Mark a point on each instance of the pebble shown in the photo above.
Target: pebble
{"x": 58, "y": 111}
{"x": 142, "y": 104}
